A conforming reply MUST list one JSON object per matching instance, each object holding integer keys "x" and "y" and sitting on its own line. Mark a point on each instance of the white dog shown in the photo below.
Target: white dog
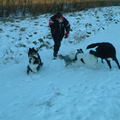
{"x": 81, "y": 58}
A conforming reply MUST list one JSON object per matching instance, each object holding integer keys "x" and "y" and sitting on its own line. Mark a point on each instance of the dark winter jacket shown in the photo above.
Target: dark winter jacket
{"x": 59, "y": 29}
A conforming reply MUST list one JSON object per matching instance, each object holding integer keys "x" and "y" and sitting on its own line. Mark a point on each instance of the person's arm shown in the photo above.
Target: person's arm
{"x": 67, "y": 27}
{"x": 53, "y": 23}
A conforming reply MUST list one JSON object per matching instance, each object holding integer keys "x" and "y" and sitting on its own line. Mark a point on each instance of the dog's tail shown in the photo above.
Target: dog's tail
{"x": 72, "y": 54}
{"x": 93, "y": 45}
{"x": 61, "y": 56}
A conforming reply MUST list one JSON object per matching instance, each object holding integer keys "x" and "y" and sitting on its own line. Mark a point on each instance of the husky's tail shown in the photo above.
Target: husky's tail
{"x": 61, "y": 56}
{"x": 93, "y": 45}
{"x": 72, "y": 54}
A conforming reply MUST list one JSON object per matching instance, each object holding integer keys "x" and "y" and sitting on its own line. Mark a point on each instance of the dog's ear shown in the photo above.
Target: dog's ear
{"x": 37, "y": 49}
{"x": 81, "y": 50}
{"x": 34, "y": 49}
{"x": 78, "y": 50}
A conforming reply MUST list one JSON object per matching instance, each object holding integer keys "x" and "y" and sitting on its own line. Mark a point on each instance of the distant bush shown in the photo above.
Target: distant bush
{"x": 35, "y": 7}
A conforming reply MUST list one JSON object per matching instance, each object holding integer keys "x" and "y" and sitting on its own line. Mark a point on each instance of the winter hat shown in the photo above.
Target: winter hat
{"x": 58, "y": 14}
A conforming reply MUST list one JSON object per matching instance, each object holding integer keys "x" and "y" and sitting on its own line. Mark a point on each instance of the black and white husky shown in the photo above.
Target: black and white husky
{"x": 82, "y": 58}
{"x": 34, "y": 61}
{"x": 71, "y": 57}
{"x": 105, "y": 51}
{"x": 79, "y": 58}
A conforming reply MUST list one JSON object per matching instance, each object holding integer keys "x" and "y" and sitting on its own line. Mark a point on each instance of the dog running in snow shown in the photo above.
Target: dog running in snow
{"x": 105, "y": 51}
{"x": 69, "y": 59}
{"x": 80, "y": 58}
{"x": 34, "y": 61}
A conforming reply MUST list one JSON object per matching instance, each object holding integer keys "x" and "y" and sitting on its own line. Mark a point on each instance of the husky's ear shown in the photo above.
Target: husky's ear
{"x": 78, "y": 50}
{"x": 81, "y": 50}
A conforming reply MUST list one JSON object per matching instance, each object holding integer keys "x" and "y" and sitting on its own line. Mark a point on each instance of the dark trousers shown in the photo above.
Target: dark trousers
{"x": 57, "y": 43}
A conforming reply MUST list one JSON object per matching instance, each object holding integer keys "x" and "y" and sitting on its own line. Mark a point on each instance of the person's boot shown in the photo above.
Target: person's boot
{"x": 55, "y": 54}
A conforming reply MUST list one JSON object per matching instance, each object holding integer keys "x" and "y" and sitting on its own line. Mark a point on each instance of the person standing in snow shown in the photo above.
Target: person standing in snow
{"x": 60, "y": 28}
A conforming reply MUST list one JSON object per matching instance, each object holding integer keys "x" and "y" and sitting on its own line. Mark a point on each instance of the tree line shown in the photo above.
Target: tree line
{"x": 35, "y": 7}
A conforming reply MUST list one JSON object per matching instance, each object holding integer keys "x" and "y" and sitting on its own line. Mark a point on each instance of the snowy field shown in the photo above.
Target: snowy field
{"x": 56, "y": 92}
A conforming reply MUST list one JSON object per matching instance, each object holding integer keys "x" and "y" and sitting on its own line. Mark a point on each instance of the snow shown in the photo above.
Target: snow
{"x": 56, "y": 92}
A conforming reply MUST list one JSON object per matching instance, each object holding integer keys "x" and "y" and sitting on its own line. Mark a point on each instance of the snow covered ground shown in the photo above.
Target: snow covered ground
{"x": 56, "y": 92}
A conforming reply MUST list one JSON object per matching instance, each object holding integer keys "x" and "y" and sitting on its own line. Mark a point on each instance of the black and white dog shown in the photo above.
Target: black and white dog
{"x": 34, "y": 61}
{"x": 82, "y": 58}
{"x": 71, "y": 57}
{"x": 105, "y": 51}
{"x": 79, "y": 58}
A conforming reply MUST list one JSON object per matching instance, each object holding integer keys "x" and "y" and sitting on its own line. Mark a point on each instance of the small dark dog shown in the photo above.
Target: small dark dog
{"x": 34, "y": 61}
{"x": 105, "y": 51}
